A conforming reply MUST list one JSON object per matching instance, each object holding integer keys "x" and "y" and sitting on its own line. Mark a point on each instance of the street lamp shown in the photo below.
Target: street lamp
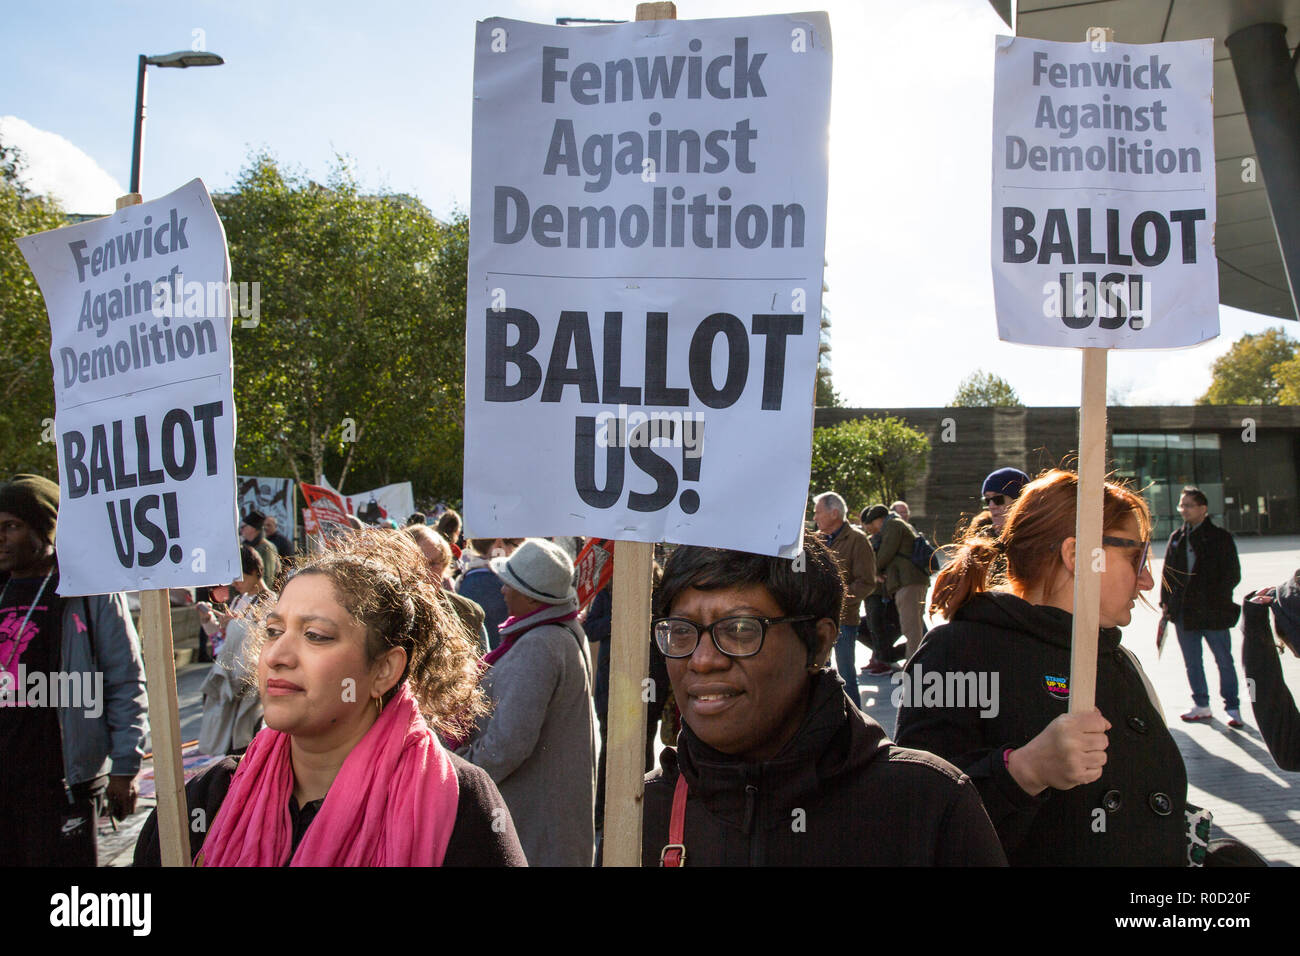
{"x": 180, "y": 59}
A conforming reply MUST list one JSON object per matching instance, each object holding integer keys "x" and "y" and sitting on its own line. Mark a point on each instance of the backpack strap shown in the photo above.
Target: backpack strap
{"x": 674, "y": 854}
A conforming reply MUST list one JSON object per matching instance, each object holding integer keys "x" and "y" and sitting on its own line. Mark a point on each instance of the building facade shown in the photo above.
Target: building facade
{"x": 1245, "y": 458}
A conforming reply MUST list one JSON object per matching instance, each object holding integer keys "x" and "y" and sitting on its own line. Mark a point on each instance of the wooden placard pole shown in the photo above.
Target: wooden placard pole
{"x": 629, "y": 665}
{"x": 1088, "y": 529}
{"x": 164, "y": 712}
{"x": 1090, "y": 497}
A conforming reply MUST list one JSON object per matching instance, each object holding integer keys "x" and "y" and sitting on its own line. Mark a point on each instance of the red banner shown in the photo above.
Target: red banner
{"x": 595, "y": 567}
{"x": 324, "y": 506}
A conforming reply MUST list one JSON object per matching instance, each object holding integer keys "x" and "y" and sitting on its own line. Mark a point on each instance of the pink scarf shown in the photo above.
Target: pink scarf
{"x": 393, "y": 802}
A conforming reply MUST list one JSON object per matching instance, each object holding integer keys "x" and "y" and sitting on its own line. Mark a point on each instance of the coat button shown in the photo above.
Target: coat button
{"x": 1112, "y": 801}
{"x": 1161, "y": 805}
{"x": 1138, "y": 724}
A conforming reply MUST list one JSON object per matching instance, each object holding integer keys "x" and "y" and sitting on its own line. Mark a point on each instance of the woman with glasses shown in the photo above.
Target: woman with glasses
{"x": 773, "y": 767}
{"x": 1101, "y": 788}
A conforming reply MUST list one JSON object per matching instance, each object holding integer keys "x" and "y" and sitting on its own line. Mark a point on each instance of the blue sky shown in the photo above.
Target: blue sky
{"x": 389, "y": 85}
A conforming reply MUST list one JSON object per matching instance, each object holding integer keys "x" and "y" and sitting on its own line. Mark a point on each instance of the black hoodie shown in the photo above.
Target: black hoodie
{"x": 1132, "y": 815}
{"x": 838, "y": 794}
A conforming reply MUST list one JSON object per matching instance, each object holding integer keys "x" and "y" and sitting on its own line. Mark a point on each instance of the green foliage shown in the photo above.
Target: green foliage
{"x": 1248, "y": 373}
{"x": 1288, "y": 379}
{"x": 826, "y": 396}
{"x": 983, "y": 389}
{"x": 26, "y": 376}
{"x": 867, "y": 460}
{"x": 361, "y": 332}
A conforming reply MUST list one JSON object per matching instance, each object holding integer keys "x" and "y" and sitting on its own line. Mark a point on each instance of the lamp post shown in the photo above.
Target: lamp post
{"x": 181, "y": 59}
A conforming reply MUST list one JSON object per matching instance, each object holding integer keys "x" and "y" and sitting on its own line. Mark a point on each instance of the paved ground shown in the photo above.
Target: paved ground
{"x": 1230, "y": 771}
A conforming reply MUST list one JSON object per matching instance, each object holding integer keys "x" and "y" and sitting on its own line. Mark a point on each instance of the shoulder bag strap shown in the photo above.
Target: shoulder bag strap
{"x": 674, "y": 854}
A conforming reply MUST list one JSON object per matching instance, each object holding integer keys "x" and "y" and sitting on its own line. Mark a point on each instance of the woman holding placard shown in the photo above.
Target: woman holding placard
{"x": 351, "y": 658}
{"x": 1101, "y": 788}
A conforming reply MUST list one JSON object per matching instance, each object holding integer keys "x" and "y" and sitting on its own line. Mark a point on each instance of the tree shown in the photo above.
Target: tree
{"x": 26, "y": 376}
{"x": 867, "y": 460}
{"x": 982, "y": 389}
{"x": 1288, "y": 378}
{"x": 826, "y": 396}
{"x": 1247, "y": 373}
{"x": 355, "y": 367}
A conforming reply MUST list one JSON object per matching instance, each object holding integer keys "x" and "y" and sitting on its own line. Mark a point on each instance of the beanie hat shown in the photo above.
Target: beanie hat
{"x": 33, "y": 499}
{"x": 1005, "y": 481}
{"x": 254, "y": 519}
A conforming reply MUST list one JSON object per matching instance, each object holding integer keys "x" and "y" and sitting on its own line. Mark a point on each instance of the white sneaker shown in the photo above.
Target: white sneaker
{"x": 1198, "y": 713}
{"x": 1234, "y": 719}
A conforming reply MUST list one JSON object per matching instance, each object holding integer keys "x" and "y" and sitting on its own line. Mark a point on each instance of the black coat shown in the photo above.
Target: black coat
{"x": 483, "y": 835}
{"x": 1142, "y": 791}
{"x": 1275, "y": 710}
{"x": 838, "y": 794}
{"x": 1204, "y": 597}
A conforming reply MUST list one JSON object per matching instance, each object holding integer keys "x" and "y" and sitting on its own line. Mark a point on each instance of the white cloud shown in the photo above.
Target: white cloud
{"x": 53, "y": 166}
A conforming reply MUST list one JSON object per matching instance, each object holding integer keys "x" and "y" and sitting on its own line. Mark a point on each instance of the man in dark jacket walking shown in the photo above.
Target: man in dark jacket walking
{"x": 1201, "y": 569}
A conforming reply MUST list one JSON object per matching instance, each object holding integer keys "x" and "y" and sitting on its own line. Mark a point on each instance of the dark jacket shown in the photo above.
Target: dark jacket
{"x": 97, "y": 636}
{"x": 1275, "y": 710}
{"x": 838, "y": 794}
{"x": 1203, "y": 597}
{"x": 1142, "y": 791}
{"x": 484, "y": 834}
{"x": 282, "y": 544}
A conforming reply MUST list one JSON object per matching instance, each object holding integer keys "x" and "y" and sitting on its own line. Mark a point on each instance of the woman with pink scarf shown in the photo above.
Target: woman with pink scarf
{"x": 357, "y": 665}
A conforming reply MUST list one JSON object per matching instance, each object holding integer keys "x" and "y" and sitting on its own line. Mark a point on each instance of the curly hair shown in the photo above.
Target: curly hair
{"x": 381, "y": 580}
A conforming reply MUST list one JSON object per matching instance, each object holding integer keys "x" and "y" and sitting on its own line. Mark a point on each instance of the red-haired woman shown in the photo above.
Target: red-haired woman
{"x": 989, "y": 691}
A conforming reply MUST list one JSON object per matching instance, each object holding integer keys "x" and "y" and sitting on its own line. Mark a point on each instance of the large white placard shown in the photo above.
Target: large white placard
{"x": 647, "y": 233}
{"x": 139, "y": 306}
{"x": 1103, "y": 194}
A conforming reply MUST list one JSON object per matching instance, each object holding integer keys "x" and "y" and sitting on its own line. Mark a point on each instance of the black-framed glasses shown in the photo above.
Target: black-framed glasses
{"x": 1130, "y": 543}
{"x": 733, "y": 636}
{"x": 998, "y": 500}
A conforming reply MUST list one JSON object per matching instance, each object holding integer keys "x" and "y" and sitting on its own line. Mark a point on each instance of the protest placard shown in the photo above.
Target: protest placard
{"x": 648, "y": 223}
{"x": 271, "y": 496}
{"x": 593, "y": 569}
{"x": 1104, "y": 193}
{"x": 324, "y": 506}
{"x": 393, "y": 502}
{"x": 139, "y": 306}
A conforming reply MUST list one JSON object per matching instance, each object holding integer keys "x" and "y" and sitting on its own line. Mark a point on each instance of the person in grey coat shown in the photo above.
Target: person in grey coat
{"x": 539, "y": 742}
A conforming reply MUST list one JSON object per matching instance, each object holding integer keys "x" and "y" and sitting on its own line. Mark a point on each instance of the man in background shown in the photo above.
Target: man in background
{"x": 999, "y": 490}
{"x": 80, "y": 745}
{"x": 1201, "y": 569}
{"x": 854, "y": 556}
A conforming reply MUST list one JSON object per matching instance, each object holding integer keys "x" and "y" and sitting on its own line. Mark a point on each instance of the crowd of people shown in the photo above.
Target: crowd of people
{"x": 410, "y": 696}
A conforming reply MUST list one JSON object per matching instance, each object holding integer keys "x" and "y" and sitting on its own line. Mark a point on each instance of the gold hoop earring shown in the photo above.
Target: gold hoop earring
{"x": 379, "y": 707}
